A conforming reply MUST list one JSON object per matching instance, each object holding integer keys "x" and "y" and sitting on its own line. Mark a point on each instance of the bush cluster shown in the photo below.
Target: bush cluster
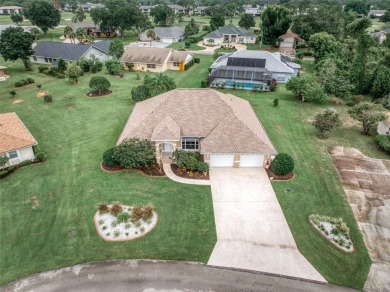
{"x": 203, "y": 83}
{"x": 189, "y": 64}
{"x": 190, "y": 160}
{"x": 113, "y": 67}
{"x": 52, "y": 71}
{"x": 47, "y": 97}
{"x": 108, "y": 157}
{"x": 99, "y": 83}
{"x": 383, "y": 142}
{"x": 282, "y": 164}
{"x": 197, "y": 60}
{"x": 134, "y": 153}
{"x": 87, "y": 65}
{"x": 23, "y": 82}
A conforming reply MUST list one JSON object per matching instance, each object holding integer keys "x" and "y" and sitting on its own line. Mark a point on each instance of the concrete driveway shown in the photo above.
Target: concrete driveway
{"x": 252, "y": 231}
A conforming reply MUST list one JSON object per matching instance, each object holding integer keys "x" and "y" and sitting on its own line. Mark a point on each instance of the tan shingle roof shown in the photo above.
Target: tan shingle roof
{"x": 178, "y": 56}
{"x": 227, "y": 123}
{"x": 13, "y": 133}
{"x": 148, "y": 55}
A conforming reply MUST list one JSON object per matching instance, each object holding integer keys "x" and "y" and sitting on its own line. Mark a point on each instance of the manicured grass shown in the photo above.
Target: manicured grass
{"x": 74, "y": 134}
{"x": 316, "y": 188}
{"x": 182, "y": 45}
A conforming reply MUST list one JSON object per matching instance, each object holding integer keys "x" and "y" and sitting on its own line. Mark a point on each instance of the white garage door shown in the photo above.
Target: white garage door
{"x": 222, "y": 160}
{"x": 166, "y": 40}
{"x": 251, "y": 160}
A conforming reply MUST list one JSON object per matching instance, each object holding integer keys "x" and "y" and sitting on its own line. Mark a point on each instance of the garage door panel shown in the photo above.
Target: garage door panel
{"x": 222, "y": 160}
{"x": 251, "y": 160}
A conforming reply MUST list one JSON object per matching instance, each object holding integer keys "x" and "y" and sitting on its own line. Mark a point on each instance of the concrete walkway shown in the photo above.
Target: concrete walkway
{"x": 169, "y": 173}
{"x": 252, "y": 231}
{"x": 153, "y": 276}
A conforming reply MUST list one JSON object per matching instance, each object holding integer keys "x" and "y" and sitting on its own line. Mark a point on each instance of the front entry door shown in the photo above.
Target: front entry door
{"x": 167, "y": 147}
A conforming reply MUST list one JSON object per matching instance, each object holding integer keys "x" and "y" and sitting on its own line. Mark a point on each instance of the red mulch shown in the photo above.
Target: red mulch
{"x": 96, "y": 93}
{"x": 182, "y": 172}
{"x": 154, "y": 169}
{"x": 279, "y": 177}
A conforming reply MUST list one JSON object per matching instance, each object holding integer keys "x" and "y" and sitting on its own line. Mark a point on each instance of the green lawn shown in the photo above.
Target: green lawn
{"x": 316, "y": 188}
{"x": 71, "y": 183}
{"x": 182, "y": 45}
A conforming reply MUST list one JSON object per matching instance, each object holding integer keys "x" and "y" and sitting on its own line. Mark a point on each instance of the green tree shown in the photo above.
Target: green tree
{"x": 276, "y": 20}
{"x": 81, "y": 35}
{"x": 3, "y": 160}
{"x": 307, "y": 88}
{"x": 159, "y": 83}
{"x": 74, "y": 72}
{"x": 328, "y": 18}
{"x": 368, "y": 114}
{"x": 386, "y": 17}
{"x": 191, "y": 28}
{"x": 99, "y": 84}
{"x": 247, "y": 21}
{"x": 151, "y": 34}
{"x": 43, "y": 14}
{"x": 36, "y": 33}
{"x": 78, "y": 15}
{"x": 217, "y": 21}
{"x": 323, "y": 45}
{"x": 140, "y": 93}
{"x": 135, "y": 153}
{"x": 17, "y": 18}
{"x": 16, "y": 44}
{"x": 62, "y": 66}
{"x": 113, "y": 67}
{"x": 381, "y": 83}
{"x": 282, "y": 164}
{"x": 357, "y": 6}
{"x": 326, "y": 122}
{"x": 67, "y": 30}
{"x": 116, "y": 48}
{"x": 162, "y": 15}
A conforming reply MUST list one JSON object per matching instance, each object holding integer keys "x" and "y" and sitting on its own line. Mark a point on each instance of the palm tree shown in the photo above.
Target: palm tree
{"x": 80, "y": 34}
{"x": 35, "y": 33}
{"x": 159, "y": 83}
{"x": 151, "y": 35}
{"x": 72, "y": 36}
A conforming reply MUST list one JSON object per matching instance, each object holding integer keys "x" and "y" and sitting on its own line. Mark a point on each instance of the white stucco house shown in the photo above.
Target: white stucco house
{"x": 49, "y": 52}
{"x": 384, "y": 126}
{"x": 10, "y": 9}
{"x": 16, "y": 142}
{"x": 166, "y": 35}
{"x": 229, "y": 34}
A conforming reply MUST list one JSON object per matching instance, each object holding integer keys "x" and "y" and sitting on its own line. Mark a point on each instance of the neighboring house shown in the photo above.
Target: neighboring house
{"x": 384, "y": 126}
{"x": 200, "y": 10}
{"x": 222, "y": 127}
{"x": 178, "y": 9}
{"x": 376, "y": 13}
{"x": 248, "y": 9}
{"x": 251, "y": 70}
{"x": 92, "y": 29}
{"x": 16, "y": 142}
{"x": 168, "y": 35}
{"x": 229, "y": 34}
{"x": 49, "y": 52}
{"x": 5, "y": 26}
{"x": 146, "y": 9}
{"x": 10, "y": 9}
{"x": 87, "y": 7}
{"x": 155, "y": 59}
{"x": 288, "y": 43}
{"x": 381, "y": 35}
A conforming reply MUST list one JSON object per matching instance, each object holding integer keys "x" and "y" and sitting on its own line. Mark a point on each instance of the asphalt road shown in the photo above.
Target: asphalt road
{"x": 159, "y": 276}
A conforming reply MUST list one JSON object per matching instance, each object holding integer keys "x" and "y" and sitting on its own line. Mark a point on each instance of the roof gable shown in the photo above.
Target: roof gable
{"x": 148, "y": 55}
{"x": 13, "y": 133}
{"x": 169, "y": 32}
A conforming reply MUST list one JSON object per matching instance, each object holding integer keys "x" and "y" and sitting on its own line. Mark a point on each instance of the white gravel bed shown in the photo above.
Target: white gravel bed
{"x": 346, "y": 243}
{"x": 109, "y": 231}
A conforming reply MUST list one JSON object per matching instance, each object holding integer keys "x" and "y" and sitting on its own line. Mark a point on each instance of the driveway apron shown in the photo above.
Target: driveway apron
{"x": 252, "y": 231}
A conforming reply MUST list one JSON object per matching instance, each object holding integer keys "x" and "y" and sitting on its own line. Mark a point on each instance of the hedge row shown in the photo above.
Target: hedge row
{"x": 23, "y": 82}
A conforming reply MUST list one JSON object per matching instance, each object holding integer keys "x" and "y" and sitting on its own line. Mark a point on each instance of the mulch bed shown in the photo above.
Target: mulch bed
{"x": 154, "y": 169}
{"x": 274, "y": 176}
{"x": 96, "y": 93}
{"x": 179, "y": 171}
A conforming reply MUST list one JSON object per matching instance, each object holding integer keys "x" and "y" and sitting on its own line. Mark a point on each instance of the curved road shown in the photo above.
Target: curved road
{"x": 153, "y": 276}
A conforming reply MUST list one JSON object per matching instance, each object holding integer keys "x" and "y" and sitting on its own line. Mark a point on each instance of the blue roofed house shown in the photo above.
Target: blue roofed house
{"x": 229, "y": 34}
{"x": 252, "y": 70}
{"x": 49, "y": 52}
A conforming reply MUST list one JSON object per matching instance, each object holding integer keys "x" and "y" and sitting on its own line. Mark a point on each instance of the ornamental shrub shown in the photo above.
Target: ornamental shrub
{"x": 99, "y": 83}
{"x": 203, "y": 83}
{"x": 85, "y": 64}
{"x": 140, "y": 93}
{"x": 135, "y": 153}
{"x": 202, "y": 166}
{"x": 108, "y": 157}
{"x": 383, "y": 142}
{"x": 47, "y": 98}
{"x": 116, "y": 208}
{"x": 30, "y": 80}
{"x": 187, "y": 44}
{"x": 42, "y": 69}
{"x": 103, "y": 208}
{"x": 147, "y": 211}
{"x": 113, "y": 67}
{"x": 197, "y": 60}
{"x": 282, "y": 164}
{"x": 123, "y": 217}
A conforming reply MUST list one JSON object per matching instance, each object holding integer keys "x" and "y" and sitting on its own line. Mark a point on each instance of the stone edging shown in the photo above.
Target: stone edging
{"x": 335, "y": 244}
{"x": 118, "y": 240}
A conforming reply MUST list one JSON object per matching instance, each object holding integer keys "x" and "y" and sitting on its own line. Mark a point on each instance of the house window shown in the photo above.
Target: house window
{"x": 151, "y": 66}
{"x": 34, "y": 58}
{"x": 281, "y": 77}
{"x": 190, "y": 143}
{"x": 46, "y": 60}
{"x": 175, "y": 64}
{"x": 13, "y": 154}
